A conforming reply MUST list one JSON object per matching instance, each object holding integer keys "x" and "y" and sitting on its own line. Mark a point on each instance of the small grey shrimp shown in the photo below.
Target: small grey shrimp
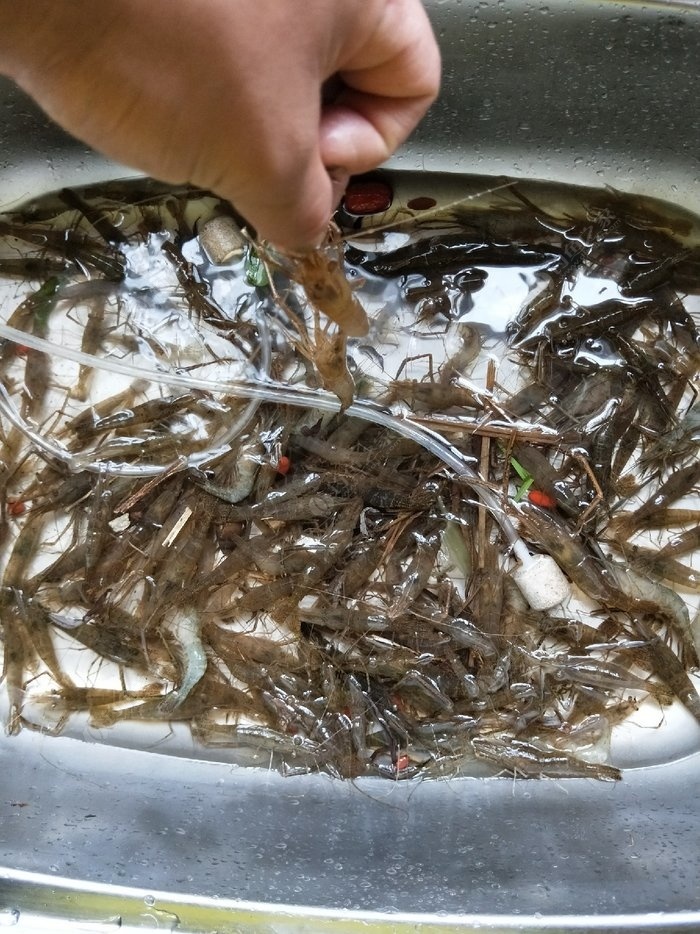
{"x": 466, "y": 634}
{"x": 678, "y": 485}
{"x": 97, "y": 530}
{"x": 261, "y": 738}
{"x": 308, "y": 506}
{"x": 661, "y": 566}
{"x": 532, "y": 761}
{"x": 417, "y": 573}
{"x": 235, "y": 481}
{"x": 668, "y": 668}
{"x": 16, "y": 656}
{"x": 424, "y": 691}
{"x": 595, "y": 673}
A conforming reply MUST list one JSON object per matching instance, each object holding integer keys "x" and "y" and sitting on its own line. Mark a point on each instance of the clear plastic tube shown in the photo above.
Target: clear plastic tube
{"x": 90, "y": 460}
{"x": 258, "y": 390}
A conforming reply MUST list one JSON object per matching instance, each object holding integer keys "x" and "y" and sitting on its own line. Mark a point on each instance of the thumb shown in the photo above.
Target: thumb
{"x": 360, "y": 131}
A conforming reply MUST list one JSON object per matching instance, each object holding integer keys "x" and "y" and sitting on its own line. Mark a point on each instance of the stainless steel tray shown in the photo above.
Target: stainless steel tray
{"x": 92, "y": 837}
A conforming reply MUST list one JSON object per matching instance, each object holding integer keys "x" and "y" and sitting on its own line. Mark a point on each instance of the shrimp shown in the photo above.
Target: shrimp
{"x": 93, "y": 335}
{"x": 320, "y": 273}
{"x": 382, "y": 631}
{"x": 16, "y": 655}
{"x": 236, "y": 474}
{"x": 534, "y": 761}
{"x": 592, "y": 672}
{"x": 667, "y": 666}
{"x": 308, "y": 506}
{"x": 609, "y": 584}
{"x": 678, "y": 485}
{"x": 83, "y": 252}
{"x": 97, "y": 218}
{"x": 37, "y": 370}
{"x": 97, "y": 530}
{"x": 450, "y": 252}
{"x": 418, "y": 571}
{"x": 660, "y": 565}
{"x": 326, "y": 349}
{"x": 32, "y": 267}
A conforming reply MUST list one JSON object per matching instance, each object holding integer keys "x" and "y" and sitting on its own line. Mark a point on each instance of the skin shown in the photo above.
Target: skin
{"x": 227, "y": 94}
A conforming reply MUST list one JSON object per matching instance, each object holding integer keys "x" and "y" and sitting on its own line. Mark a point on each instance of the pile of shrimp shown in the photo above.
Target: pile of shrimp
{"x": 323, "y": 591}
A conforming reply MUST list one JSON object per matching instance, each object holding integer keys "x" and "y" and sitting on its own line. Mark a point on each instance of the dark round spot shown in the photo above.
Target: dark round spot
{"x": 421, "y": 203}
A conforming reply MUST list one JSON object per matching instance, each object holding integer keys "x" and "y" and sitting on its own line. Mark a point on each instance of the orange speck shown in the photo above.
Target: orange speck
{"x": 402, "y": 763}
{"x": 284, "y": 465}
{"x": 540, "y": 498}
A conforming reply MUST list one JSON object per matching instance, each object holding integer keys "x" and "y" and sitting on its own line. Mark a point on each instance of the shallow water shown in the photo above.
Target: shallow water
{"x": 541, "y": 318}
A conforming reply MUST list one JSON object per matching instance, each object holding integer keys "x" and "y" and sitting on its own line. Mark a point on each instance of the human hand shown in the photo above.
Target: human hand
{"x": 226, "y": 94}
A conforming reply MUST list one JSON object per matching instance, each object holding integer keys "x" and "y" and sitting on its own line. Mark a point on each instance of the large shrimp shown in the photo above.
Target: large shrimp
{"x": 320, "y": 273}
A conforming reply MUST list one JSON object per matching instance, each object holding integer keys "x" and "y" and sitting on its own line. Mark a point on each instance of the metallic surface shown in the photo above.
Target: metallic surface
{"x": 95, "y": 837}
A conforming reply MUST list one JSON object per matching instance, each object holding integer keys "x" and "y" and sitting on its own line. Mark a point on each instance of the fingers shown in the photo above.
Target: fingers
{"x": 390, "y": 82}
{"x": 397, "y": 58}
{"x": 360, "y": 131}
{"x": 387, "y": 67}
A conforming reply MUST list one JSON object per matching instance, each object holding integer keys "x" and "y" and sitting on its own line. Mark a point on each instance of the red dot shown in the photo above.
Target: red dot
{"x": 283, "y": 465}
{"x": 402, "y": 763}
{"x": 16, "y": 507}
{"x": 540, "y": 498}
{"x": 21, "y": 350}
{"x": 367, "y": 197}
